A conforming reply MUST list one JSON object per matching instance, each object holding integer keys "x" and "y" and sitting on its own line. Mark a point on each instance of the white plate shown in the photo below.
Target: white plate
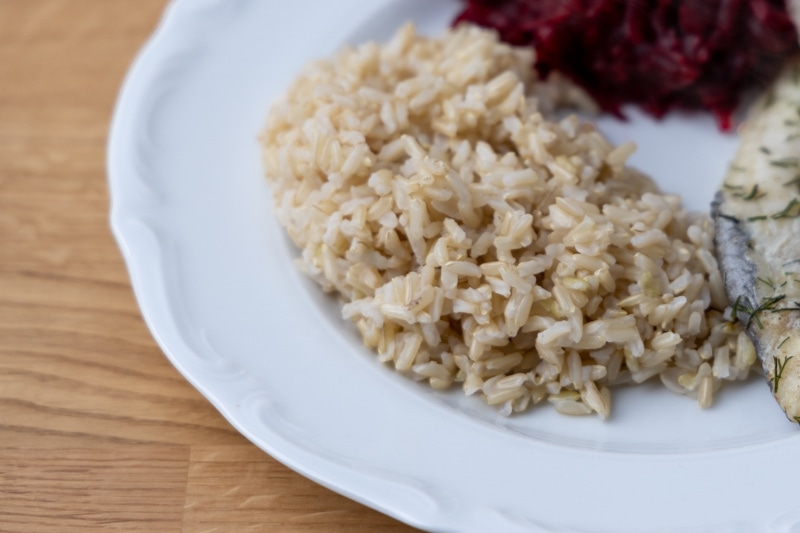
{"x": 213, "y": 275}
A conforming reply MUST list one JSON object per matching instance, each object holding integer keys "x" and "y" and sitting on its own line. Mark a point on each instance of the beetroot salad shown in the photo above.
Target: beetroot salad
{"x": 658, "y": 54}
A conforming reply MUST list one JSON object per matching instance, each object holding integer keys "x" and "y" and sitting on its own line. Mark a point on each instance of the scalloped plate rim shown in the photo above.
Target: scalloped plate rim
{"x": 171, "y": 339}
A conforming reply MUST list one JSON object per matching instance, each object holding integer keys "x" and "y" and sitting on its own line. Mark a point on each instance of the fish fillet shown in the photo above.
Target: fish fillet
{"x": 757, "y": 217}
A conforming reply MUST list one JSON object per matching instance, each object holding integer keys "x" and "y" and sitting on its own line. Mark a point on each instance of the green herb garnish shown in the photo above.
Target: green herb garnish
{"x": 767, "y": 304}
{"x": 768, "y": 282}
{"x": 787, "y": 211}
{"x": 796, "y": 307}
{"x": 786, "y": 162}
{"x": 753, "y": 194}
{"x": 779, "y": 368}
{"x": 795, "y": 181}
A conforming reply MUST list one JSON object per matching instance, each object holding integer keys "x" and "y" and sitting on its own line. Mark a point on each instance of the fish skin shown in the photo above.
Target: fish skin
{"x": 758, "y": 235}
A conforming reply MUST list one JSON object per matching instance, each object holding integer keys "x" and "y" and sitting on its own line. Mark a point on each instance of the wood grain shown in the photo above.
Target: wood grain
{"x": 97, "y": 431}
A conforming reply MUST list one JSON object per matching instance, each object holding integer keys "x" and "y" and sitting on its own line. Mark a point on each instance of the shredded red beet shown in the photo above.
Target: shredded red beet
{"x": 659, "y": 54}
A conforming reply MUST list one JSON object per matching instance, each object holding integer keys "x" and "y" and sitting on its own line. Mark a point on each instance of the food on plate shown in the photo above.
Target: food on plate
{"x": 660, "y": 54}
{"x": 475, "y": 240}
{"x": 757, "y": 215}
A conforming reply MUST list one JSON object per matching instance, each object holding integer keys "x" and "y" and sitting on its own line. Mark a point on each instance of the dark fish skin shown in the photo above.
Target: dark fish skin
{"x": 757, "y": 220}
{"x": 739, "y": 273}
{"x": 732, "y": 243}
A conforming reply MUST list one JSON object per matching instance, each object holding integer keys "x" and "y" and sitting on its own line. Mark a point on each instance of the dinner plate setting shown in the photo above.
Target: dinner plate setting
{"x": 214, "y": 276}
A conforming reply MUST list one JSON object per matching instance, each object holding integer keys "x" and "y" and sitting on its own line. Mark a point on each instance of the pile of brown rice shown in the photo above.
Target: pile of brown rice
{"x": 473, "y": 240}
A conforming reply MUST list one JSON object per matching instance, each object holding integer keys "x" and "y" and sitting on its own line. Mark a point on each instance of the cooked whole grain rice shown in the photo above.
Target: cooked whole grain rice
{"x": 474, "y": 240}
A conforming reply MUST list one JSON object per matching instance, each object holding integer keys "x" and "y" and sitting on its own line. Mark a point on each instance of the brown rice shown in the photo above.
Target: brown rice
{"x": 475, "y": 241}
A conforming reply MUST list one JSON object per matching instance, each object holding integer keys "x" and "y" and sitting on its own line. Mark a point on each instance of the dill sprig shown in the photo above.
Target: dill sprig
{"x": 753, "y": 194}
{"x": 768, "y": 282}
{"x": 787, "y": 211}
{"x": 779, "y": 368}
{"x": 786, "y": 162}
{"x": 767, "y": 304}
{"x": 794, "y": 307}
{"x": 795, "y": 181}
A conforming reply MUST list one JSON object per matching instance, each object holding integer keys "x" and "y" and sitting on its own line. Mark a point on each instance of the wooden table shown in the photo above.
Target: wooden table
{"x": 97, "y": 430}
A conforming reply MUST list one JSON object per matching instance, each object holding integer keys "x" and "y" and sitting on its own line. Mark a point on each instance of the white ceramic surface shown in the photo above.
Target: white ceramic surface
{"x": 213, "y": 274}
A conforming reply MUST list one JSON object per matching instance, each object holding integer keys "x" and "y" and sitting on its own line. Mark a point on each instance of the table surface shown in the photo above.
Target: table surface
{"x": 97, "y": 430}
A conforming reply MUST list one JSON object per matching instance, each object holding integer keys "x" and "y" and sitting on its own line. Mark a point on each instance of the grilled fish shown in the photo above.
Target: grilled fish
{"x": 757, "y": 218}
